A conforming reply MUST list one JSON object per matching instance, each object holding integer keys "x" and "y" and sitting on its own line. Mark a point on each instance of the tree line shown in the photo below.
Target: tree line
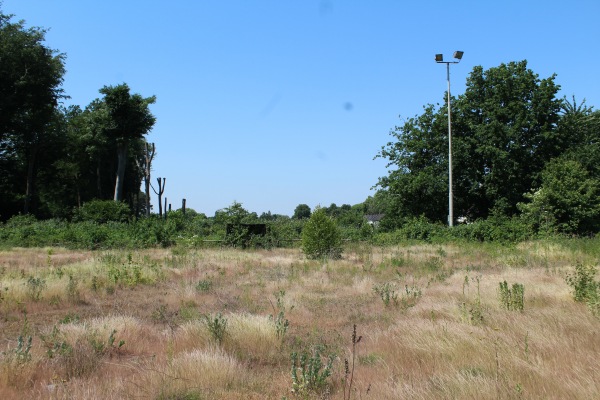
{"x": 54, "y": 158}
{"x": 519, "y": 151}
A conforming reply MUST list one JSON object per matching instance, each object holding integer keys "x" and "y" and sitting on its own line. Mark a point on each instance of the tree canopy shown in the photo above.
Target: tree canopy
{"x": 31, "y": 75}
{"x": 505, "y": 129}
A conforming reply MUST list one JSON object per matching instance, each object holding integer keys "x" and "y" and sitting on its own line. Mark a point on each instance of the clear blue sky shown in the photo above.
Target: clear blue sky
{"x": 274, "y": 103}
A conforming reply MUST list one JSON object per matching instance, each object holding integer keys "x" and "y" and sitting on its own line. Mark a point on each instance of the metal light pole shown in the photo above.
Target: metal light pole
{"x": 439, "y": 58}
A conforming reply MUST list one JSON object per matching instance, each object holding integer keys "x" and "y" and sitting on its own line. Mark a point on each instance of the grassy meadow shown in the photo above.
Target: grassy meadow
{"x": 411, "y": 321}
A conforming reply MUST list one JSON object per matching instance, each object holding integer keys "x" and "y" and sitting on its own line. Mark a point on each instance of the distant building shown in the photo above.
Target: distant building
{"x": 373, "y": 219}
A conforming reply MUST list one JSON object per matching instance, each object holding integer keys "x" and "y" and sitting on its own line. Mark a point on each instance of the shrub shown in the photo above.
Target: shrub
{"x": 102, "y": 211}
{"x": 321, "y": 237}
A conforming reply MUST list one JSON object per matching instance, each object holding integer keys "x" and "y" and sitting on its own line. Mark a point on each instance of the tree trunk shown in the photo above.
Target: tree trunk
{"x": 122, "y": 159}
{"x": 30, "y": 185}
{"x": 99, "y": 180}
{"x": 147, "y": 184}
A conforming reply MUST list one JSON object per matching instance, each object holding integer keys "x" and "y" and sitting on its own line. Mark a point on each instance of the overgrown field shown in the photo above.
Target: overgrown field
{"x": 412, "y": 321}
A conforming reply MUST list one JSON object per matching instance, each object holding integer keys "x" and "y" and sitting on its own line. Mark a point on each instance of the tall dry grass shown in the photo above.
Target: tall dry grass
{"x": 144, "y": 334}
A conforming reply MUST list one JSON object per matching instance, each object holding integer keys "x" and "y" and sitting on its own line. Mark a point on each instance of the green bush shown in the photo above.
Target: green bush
{"x": 585, "y": 288}
{"x": 321, "y": 237}
{"x": 102, "y": 211}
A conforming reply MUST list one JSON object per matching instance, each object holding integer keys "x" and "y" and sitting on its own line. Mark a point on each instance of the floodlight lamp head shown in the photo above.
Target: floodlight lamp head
{"x": 439, "y": 58}
{"x": 458, "y": 54}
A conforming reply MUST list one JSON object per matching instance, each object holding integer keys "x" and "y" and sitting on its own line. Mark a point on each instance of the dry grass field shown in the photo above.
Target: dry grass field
{"x": 222, "y": 324}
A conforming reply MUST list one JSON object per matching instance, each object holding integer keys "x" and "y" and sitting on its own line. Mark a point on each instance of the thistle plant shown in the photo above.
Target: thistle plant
{"x": 278, "y": 318}
{"x": 309, "y": 374}
{"x": 387, "y": 292}
{"x": 35, "y": 286}
{"x": 512, "y": 298}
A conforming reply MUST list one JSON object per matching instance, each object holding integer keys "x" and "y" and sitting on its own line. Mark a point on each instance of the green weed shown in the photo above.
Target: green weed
{"x": 217, "y": 326}
{"x": 278, "y": 318}
{"x": 512, "y": 298}
{"x": 35, "y": 286}
{"x": 309, "y": 374}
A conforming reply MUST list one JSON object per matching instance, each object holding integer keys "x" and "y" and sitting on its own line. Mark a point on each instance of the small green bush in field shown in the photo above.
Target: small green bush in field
{"x": 321, "y": 237}
{"x": 217, "y": 326}
{"x": 585, "y": 288}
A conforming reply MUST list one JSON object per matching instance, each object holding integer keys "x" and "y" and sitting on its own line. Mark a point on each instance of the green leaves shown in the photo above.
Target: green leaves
{"x": 503, "y": 133}
{"x": 321, "y": 237}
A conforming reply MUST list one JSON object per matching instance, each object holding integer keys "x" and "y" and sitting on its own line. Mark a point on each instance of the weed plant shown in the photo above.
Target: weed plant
{"x": 35, "y": 287}
{"x": 278, "y": 317}
{"x": 585, "y": 288}
{"x": 512, "y": 298}
{"x": 309, "y": 374}
{"x": 217, "y": 327}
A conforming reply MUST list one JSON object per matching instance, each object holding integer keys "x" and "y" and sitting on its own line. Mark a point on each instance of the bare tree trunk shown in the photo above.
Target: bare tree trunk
{"x": 159, "y": 193}
{"x": 148, "y": 156}
{"x": 122, "y": 160}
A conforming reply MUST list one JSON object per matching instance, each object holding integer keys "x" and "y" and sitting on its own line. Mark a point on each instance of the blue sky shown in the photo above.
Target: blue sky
{"x": 274, "y": 103}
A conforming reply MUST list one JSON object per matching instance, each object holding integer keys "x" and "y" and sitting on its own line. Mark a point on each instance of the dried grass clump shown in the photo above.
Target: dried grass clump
{"x": 254, "y": 336}
{"x": 209, "y": 370}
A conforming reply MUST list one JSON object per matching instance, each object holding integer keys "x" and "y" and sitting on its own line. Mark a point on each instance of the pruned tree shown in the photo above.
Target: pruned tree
{"x": 159, "y": 193}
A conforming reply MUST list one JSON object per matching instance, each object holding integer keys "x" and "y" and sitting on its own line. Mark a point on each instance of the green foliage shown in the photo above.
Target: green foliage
{"x": 504, "y": 131}
{"x": 585, "y": 288}
{"x": 278, "y": 318}
{"x": 321, "y": 237}
{"x": 472, "y": 310}
{"x": 512, "y": 298}
{"x": 388, "y": 293}
{"x": 302, "y": 211}
{"x": 102, "y": 211}
{"x": 35, "y": 286}
{"x": 309, "y": 374}
{"x": 126, "y": 274}
{"x": 217, "y": 326}
{"x": 568, "y": 200}
{"x": 31, "y": 74}
{"x": 204, "y": 285}
{"x": 583, "y": 282}
{"x": 22, "y": 352}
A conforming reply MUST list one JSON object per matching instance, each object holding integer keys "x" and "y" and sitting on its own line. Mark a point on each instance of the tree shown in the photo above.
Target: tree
{"x": 30, "y": 78}
{"x": 568, "y": 200}
{"x": 321, "y": 236}
{"x": 504, "y": 131}
{"x": 146, "y": 165}
{"x": 579, "y": 128}
{"x": 129, "y": 118}
{"x": 301, "y": 211}
{"x": 507, "y": 133}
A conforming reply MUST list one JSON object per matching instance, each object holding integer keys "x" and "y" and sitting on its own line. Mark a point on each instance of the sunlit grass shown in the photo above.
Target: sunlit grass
{"x": 137, "y": 326}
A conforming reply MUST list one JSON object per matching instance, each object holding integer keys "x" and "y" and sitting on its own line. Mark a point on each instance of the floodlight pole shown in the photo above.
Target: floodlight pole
{"x": 439, "y": 58}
